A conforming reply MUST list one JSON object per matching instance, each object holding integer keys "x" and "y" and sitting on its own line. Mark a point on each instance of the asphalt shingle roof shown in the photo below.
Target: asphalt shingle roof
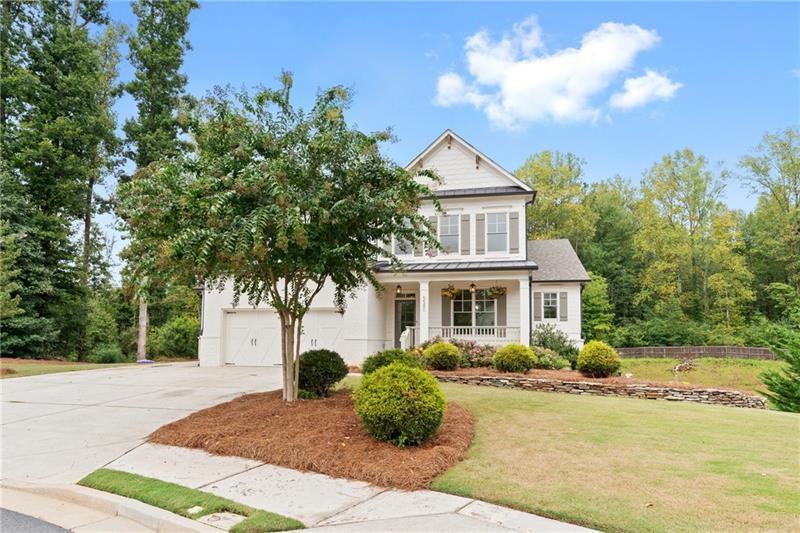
{"x": 557, "y": 261}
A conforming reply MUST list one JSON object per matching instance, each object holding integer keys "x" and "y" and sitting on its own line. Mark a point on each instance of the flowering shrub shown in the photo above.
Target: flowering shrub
{"x": 472, "y": 354}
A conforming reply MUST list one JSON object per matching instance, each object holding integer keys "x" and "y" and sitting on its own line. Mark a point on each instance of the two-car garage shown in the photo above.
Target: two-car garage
{"x": 252, "y": 337}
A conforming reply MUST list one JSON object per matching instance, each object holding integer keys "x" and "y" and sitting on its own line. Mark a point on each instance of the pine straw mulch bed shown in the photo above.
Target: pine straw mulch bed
{"x": 571, "y": 375}
{"x": 322, "y": 436}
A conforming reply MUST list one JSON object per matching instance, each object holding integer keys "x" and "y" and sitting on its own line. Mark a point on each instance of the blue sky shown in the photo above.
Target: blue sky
{"x": 730, "y": 72}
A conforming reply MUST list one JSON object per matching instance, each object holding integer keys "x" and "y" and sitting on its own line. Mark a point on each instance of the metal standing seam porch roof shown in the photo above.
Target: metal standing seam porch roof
{"x": 549, "y": 260}
{"x": 459, "y": 266}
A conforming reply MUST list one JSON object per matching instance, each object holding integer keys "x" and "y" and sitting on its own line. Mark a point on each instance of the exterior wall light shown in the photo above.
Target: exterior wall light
{"x": 472, "y": 288}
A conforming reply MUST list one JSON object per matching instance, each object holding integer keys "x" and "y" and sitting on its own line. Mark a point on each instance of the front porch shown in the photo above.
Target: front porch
{"x": 487, "y": 308}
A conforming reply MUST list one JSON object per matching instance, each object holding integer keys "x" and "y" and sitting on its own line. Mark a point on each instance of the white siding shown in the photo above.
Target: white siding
{"x": 571, "y": 326}
{"x": 456, "y": 166}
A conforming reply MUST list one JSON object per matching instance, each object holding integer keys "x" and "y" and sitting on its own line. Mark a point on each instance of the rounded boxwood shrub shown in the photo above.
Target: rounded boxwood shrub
{"x": 549, "y": 360}
{"x": 598, "y": 360}
{"x": 320, "y": 370}
{"x": 514, "y": 358}
{"x": 400, "y": 404}
{"x": 441, "y": 355}
{"x": 387, "y": 357}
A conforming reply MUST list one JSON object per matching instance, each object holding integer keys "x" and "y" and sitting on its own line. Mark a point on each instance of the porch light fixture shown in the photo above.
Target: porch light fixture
{"x": 398, "y": 289}
{"x": 472, "y": 288}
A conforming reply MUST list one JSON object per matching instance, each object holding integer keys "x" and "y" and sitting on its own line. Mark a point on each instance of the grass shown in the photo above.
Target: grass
{"x": 630, "y": 465}
{"x": 728, "y": 373}
{"x": 17, "y": 368}
{"x": 178, "y": 499}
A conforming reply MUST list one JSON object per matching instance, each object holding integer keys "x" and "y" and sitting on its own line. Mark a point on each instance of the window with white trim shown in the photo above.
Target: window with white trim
{"x": 462, "y": 308}
{"x": 485, "y": 308}
{"x": 550, "y": 305}
{"x": 474, "y": 309}
{"x": 497, "y": 232}
{"x": 449, "y": 233}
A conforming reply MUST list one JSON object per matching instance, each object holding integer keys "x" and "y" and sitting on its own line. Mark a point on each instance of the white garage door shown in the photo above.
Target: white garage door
{"x": 322, "y": 329}
{"x": 252, "y": 338}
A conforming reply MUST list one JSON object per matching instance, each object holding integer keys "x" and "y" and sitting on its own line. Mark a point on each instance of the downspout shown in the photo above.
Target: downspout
{"x": 530, "y": 276}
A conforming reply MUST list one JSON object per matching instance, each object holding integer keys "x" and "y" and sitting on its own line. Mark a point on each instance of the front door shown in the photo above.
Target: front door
{"x": 405, "y": 315}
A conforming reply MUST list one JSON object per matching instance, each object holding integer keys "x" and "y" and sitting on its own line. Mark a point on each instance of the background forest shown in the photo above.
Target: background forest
{"x": 671, "y": 263}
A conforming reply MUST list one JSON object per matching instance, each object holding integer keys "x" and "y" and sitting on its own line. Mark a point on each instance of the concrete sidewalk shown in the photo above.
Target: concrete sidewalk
{"x": 323, "y": 502}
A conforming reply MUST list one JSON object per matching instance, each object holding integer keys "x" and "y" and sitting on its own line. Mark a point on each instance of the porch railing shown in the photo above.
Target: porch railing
{"x": 495, "y": 335}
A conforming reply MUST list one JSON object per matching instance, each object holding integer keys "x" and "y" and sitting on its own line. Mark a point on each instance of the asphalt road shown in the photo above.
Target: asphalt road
{"x": 13, "y": 522}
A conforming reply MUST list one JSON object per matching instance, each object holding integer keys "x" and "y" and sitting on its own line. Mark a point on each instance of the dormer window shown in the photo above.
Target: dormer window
{"x": 497, "y": 232}
{"x": 448, "y": 233}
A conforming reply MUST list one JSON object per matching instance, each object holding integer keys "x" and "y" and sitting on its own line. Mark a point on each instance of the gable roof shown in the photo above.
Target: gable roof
{"x": 557, "y": 261}
{"x": 448, "y": 133}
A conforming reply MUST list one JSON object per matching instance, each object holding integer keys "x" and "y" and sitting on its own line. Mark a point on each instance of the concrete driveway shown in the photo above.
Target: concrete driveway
{"x": 57, "y": 428}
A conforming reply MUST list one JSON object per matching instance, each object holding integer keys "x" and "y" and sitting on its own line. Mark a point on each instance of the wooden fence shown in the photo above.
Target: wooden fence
{"x": 682, "y": 352}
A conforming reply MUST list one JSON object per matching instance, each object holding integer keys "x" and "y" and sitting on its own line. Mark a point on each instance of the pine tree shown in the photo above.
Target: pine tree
{"x": 156, "y": 52}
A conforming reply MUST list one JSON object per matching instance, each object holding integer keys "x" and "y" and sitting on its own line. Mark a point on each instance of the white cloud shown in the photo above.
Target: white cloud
{"x": 515, "y": 80}
{"x": 644, "y": 89}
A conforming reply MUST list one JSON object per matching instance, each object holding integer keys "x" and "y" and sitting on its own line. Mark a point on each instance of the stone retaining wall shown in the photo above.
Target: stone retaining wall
{"x": 648, "y": 392}
{"x": 682, "y": 352}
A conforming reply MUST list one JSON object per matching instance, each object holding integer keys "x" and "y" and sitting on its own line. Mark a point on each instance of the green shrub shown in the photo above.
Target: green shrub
{"x": 548, "y": 359}
{"x": 106, "y": 354}
{"x": 598, "y": 360}
{"x": 514, "y": 358}
{"x": 400, "y": 404}
{"x": 320, "y": 370}
{"x": 387, "y": 357}
{"x": 441, "y": 356}
{"x": 177, "y": 338}
{"x": 784, "y": 385}
{"x": 473, "y": 354}
{"x": 550, "y": 337}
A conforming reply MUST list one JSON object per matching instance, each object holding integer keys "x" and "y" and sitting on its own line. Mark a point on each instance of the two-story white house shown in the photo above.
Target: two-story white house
{"x": 491, "y": 284}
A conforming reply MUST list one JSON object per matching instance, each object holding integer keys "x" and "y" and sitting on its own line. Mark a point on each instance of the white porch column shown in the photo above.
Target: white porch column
{"x": 424, "y": 306}
{"x": 524, "y": 311}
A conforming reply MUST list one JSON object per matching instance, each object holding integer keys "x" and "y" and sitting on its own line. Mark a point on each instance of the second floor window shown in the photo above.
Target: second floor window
{"x": 402, "y": 246}
{"x": 448, "y": 233}
{"x": 550, "y": 304}
{"x": 496, "y": 232}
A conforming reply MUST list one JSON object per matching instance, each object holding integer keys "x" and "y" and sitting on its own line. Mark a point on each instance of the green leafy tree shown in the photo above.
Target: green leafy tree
{"x": 772, "y": 230}
{"x": 612, "y": 252}
{"x": 597, "y": 315}
{"x": 681, "y": 199}
{"x": 9, "y": 286}
{"x": 729, "y": 280}
{"x": 53, "y": 124}
{"x": 279, "y": 201}
{"x": 559, "y": 210}
{"x": 156, "y": 48}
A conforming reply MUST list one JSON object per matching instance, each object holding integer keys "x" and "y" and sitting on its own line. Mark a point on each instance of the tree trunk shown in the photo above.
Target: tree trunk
{"x": 74, "y": 20}
{"x": 87, "y": 234}
{"x": 141, "y": 345}
{"x": 288, "y": 356}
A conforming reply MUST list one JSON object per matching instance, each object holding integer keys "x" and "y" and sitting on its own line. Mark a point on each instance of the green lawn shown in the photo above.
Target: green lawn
{"x": 17, "y": 368}
{"x": 741, "y": 374}
{"x": 179, "y": 499}
{"x": 623, "y": 464}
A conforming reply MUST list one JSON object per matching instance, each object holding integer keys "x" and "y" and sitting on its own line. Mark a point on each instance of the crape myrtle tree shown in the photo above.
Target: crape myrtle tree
{"x": 279, "y": 201}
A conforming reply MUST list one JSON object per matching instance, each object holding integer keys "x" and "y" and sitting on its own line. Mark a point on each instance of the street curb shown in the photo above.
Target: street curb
{"x": 112, "y": 504}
